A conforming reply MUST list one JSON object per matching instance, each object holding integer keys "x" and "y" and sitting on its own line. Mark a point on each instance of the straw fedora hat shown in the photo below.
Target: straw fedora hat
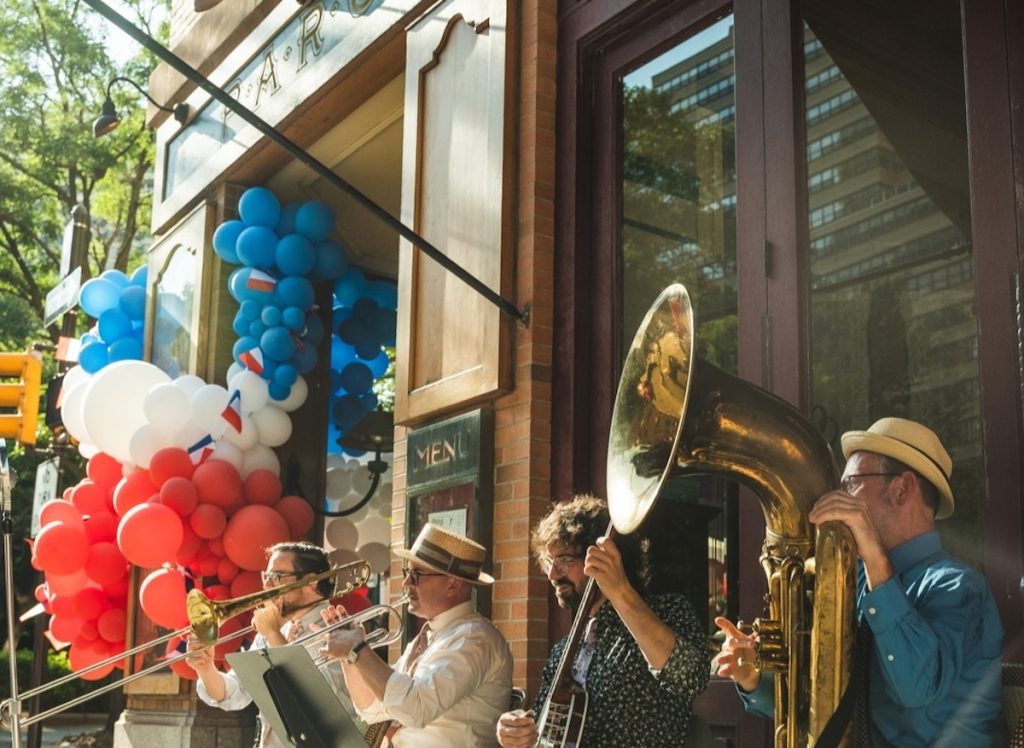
{"x": 448, "y": 553}
{"x": 912, "y": 444}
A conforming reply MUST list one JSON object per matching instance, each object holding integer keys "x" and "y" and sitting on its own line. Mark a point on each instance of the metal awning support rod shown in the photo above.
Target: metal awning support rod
{"x": 302, "y": 155}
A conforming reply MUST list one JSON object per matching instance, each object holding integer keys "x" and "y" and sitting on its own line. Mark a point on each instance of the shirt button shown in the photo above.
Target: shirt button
{"x": 891, "y": 658}
{"x": 872, "y": 611}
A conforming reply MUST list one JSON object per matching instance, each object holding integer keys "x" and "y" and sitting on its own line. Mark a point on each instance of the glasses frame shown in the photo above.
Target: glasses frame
{"x": 560, "y": 563}
{"x": 268, "y": 577}
{"x": 415, "y": 575}
{"x": 850, "y": 482}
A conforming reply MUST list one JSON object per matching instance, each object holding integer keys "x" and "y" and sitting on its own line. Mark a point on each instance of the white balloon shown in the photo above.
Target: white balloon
{"x": 245, "y": 439}
{"x": 378, "y": 555}
{"x": 188, "y": 435}
{"x": 374, "y": 529}
{"x": 253, "y": 389}
{"x": 166, "y": 407}
{"x": 228, "y": 452}
{"x": 362, "y": 479}
{"x": 353, "y": 464}
{"x": 146, "y": 442}
{"x": 189, "y": 383}
{"x": 341, "y": 556}
{"x": 71, "y": 412}
{"x": 341, "y": 533}
{"x": 335, "y": 460}
{"x": 112, "y": 410}
{"x": 273, "y": 425}
{"x": 295, "y": 399}
{"x": 75, "y": 376}
{"x": 88, "y": 451}
{"x": 208, "y": 403}
{"x": 234, "y": 369}
{"x": 360, "y": 514}
{"x": 338, "y": 483}
{"x": 260, "y": 458}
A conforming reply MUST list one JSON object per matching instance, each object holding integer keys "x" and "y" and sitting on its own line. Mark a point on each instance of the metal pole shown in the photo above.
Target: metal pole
{"x": 300, "y": 154}
{"x": 7, "y": 522}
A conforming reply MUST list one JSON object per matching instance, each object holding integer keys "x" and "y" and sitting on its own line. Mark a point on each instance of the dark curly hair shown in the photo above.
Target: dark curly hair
{"x": 309, "y": 559}
{"x": 578, "y": 523}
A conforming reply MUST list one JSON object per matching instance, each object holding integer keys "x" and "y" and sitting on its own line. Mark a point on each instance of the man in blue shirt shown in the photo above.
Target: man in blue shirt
{"x": 934, "y": 677}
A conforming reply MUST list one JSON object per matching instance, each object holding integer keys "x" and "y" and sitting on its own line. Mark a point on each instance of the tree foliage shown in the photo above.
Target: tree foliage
{"x": 55, "y": 63}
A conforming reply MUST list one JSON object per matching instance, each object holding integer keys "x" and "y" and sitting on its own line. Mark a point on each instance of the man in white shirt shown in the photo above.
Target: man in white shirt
{"x": 276, "y": 624}
{"x": 455, "y": 678}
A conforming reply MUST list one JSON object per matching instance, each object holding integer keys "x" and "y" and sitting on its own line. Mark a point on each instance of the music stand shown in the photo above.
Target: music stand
{"x": 294, "y": 696}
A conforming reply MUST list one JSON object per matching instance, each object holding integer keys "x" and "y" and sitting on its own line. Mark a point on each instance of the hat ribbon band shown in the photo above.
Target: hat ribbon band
{"x": 446, "y": 560}
{"x": 922, "y": 453}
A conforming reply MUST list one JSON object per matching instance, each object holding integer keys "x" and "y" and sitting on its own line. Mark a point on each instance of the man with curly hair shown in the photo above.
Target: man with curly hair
{"x": 643, "y": 659}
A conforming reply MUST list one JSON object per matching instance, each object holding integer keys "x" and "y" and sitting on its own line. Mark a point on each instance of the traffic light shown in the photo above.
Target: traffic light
{"x": 21, "y": 396}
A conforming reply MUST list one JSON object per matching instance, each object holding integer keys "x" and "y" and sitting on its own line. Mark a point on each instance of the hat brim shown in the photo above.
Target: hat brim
{"x": 867, "y": 441}
{"x": 408, "y": 555}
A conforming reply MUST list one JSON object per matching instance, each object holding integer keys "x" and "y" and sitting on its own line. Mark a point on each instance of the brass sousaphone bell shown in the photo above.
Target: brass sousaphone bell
{"x": 676, "y": 414}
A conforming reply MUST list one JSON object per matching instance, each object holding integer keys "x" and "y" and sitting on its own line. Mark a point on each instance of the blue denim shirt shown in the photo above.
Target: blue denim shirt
{"x": 935, "y": 676}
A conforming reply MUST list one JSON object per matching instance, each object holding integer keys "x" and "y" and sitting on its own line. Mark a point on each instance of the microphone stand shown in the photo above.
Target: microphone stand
{"x": 7, "y": 526}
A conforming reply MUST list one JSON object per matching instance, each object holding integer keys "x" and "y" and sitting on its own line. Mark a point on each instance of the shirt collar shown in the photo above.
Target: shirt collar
{"x": 441, "y": 620}
{"x": 909, "y": 553}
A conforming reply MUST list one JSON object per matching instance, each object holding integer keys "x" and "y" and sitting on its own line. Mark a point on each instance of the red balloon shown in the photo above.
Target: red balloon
{"x": 87, "y": 632}
{"x": 118, "y": 591}
{"x": 150, "y": 534}
{"x": 230, "y": 626}
{"x": 112, "y": 624}
{"x": 175, "y": 647}
{"x": 162, "y": 597}
{"x": 249, "y": 533}
{"x": 246, "y": 582}
{"x": 89, "y": 603}
{"x": 189, "y": 546}
{"x": 66, "y": 584}
{"x": 134, "y": 489}
{"x": 262, "y": 487}
{"x": 207, "y": 565}
{"x": 217, "y": 592}
{"x": 208, "y": 521}
{"x": 180, "y": 495}
{"x": 106, "y": 563}
{"x": 63, "y": 605}
{"x": 61, "y": 548}
{"x": 64, "y": 628}
{"x": 40, "y": 594}
{"x": 227, "y": 570}
{"x": 170, "y": 462}
{"x": 104, "y": 470}
{"x": 101, "y": 527}
{"x": 89, "y": 497}
{"x": 216, "y": 547}
{"x": 59, "y": 510}
{"x": 297, "y": 513}
{"x": 80, "y": 658}
{"x": 218, "y": 482}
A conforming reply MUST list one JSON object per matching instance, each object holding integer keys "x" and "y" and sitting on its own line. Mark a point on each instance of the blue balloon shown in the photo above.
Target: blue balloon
{"x": 286, "y": 375}
{"x": 93, "y": 357}
{"x": 367, "y": 349}
{"x": 133, "y": 302}
{"x": 225, "y": 239}
{"x": 348, "y": 410}
{"x": 348, "y": 289}
{"x": 257, "y": 328}
{"x": 255, "y": 247}
{"x": 356, "y": 378}
{"x": 114, "y": 324}
{"x": 305, "y": 359}
{"x": 369, "y": 400}
{"x": 258, "y": 206}
{"x": 294, "y": 290}
{"x": 236, "y": 283}
{"x": 139, "y": 276}
{"x": 314, "y": 334}
{"x": 278, "y": 391}
{"x": 269, "y": 368}
{"x": 294, "y": 318}
{"x": 250, "y": 309}
{"x": 294, "y": 255}
{"x": 379, "y": 366}
{"x": 314, "y": 220}
{"x": 286, "y": 224}
{"x": 98, "y": 295}
{"x": 277, "y": 344}
{"x": 339, "y": 315}
{"x": 271, "y": 316}
{"x": 90, "y": 338}
{"x": 365, "y": 310}
{"x": 116, "y": 277}
{"x": 331, "y": 260}
{"x": 385, "y": 326}
{"x": 385, "y": 293}
{"x": 240, "y": 324}
{"x": 243, "y": 344}
{"x": 354, "y": 333}
{"x": 333, "y": 446}
{"x": 342, "y": 354}
{"x": 125, "y": 349}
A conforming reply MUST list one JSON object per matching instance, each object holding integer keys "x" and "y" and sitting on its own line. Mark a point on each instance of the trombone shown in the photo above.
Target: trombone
{"x": 205, "y": 618}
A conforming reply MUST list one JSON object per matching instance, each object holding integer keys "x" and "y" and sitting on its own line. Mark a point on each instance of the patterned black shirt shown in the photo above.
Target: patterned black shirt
{"x": 627, "y": 705}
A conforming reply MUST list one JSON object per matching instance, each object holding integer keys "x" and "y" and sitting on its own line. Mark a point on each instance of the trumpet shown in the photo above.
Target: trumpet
{"x": 205, "y": 619}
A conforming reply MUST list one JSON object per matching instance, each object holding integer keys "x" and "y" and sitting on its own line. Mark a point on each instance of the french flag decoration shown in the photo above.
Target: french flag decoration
{"x": 200, "y": 451}
{"x": 233, "y": 413}
{"x": 252, "y": 360}
{"x": 260, "y": 281}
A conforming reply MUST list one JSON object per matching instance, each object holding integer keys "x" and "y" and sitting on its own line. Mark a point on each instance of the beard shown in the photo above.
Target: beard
{"x": 567, "y": 595}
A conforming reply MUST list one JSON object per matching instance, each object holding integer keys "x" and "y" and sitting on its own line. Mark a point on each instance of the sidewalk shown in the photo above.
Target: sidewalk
{"x": 56, "y": 729}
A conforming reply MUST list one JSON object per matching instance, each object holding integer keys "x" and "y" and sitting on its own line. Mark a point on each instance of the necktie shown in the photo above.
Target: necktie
{"x": 419, "y": 644}
{"x": 862, "y": 653}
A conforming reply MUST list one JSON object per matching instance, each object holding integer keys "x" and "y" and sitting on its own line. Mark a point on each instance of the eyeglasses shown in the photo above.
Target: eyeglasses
{"x": 273, "y": 577}
{"x": 851, "y": 481}
{"x": 560, "y": 564}
{"x": 415, "y": 575}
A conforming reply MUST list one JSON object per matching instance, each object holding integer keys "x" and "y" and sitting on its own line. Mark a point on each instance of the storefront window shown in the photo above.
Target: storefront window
{"x": 679, "y": 225}
{"x": 891, "y": 274}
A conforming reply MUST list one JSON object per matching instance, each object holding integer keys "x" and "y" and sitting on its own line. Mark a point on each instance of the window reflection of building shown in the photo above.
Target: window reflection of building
{"x": 174, "y": 309}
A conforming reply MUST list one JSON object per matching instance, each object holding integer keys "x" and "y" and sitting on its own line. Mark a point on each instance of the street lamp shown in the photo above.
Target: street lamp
{"x": 109, "y": 118}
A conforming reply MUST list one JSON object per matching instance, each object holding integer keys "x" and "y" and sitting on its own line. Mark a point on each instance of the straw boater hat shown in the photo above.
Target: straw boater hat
{"x": 912, "y": 444}
{"x": 448, "y": 553}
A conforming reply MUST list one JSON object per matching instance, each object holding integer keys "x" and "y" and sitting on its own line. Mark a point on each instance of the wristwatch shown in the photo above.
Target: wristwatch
{"x": 353, "y": 654}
